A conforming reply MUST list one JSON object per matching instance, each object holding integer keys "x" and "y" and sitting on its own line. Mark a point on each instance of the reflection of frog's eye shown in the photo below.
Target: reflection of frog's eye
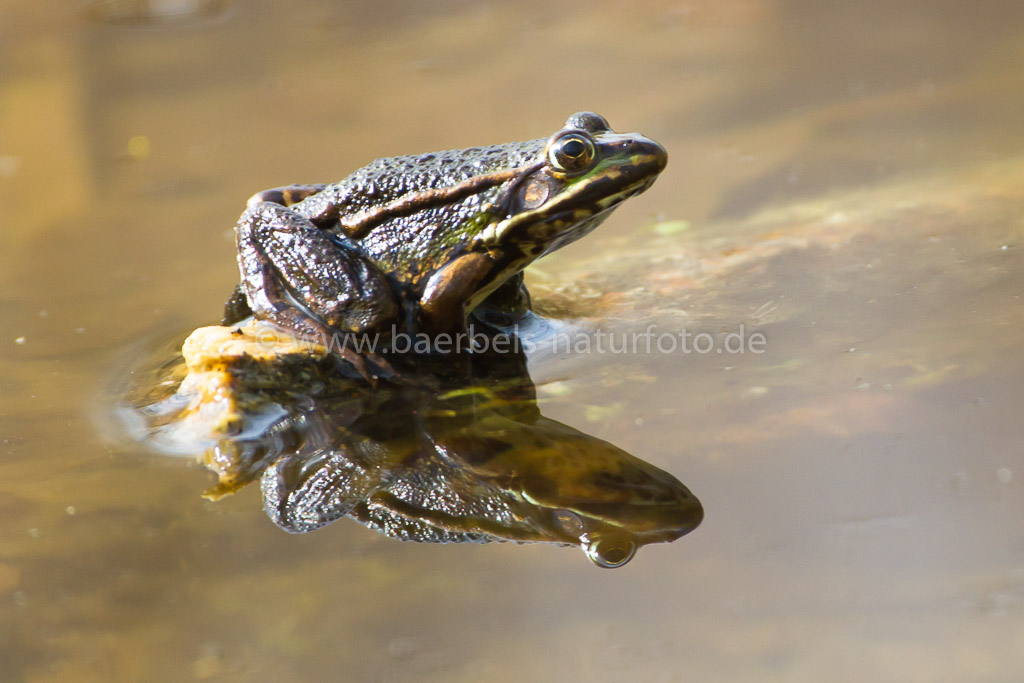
{"x": 571, "y": 152}
{"x": 569, "y": 522}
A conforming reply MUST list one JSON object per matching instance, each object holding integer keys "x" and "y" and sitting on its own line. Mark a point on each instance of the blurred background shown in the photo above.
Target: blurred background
{"x": 847, "y": 178}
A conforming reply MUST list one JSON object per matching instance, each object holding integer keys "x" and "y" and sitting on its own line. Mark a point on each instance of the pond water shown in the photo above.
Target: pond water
{"x": 846, "y": 179}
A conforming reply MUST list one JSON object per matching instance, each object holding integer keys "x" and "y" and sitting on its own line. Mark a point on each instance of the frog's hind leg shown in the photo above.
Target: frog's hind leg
{"x": 295, "y": 276}
{"x": 236, "y": 308}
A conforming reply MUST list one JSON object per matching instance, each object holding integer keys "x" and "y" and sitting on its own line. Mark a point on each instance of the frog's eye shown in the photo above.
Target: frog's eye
{"x": 572, "y": 152}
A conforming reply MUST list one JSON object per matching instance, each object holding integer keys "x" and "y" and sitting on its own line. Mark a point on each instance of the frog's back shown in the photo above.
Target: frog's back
{"x": 406, "y": 246}
{"x": 386, "y": 179}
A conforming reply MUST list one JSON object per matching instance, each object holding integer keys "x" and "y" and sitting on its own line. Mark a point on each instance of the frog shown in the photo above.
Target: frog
{"x": 420, "y": 244}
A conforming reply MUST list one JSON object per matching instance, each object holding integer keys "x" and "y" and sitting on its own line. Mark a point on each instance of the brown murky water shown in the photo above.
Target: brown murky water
{"x": 847, "y": 178}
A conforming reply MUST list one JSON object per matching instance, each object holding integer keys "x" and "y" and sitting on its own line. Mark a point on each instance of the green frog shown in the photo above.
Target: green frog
{"x": 419, "y": 243}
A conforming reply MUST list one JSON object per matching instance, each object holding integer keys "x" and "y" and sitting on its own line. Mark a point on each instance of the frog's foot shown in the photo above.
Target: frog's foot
{"x": 370, "y": 365}
{"x": 310, "y": 329}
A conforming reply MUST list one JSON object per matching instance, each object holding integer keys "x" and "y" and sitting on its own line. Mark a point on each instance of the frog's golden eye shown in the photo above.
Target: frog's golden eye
{"x": 572, "y": 152}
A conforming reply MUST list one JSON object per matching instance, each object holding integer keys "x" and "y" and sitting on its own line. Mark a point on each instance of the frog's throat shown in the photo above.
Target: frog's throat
{"x": 360, "y": 224}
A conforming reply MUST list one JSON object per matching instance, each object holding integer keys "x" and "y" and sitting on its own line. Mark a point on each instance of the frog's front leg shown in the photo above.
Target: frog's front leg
{"x": 295, "y": 276}
{"x": 444, "y": 302}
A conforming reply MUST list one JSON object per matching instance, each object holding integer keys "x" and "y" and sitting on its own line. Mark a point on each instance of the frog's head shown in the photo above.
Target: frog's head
{"x": 597, "y": 495}
{"x": 544, "y": 481}
{"x": 584, "y": 171}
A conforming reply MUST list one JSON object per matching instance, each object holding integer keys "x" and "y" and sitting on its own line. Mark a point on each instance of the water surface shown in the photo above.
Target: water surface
{"x": 843, "y": 178}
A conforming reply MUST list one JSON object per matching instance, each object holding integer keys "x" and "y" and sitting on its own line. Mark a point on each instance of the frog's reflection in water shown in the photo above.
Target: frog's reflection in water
{"x": 467, "y": 458}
